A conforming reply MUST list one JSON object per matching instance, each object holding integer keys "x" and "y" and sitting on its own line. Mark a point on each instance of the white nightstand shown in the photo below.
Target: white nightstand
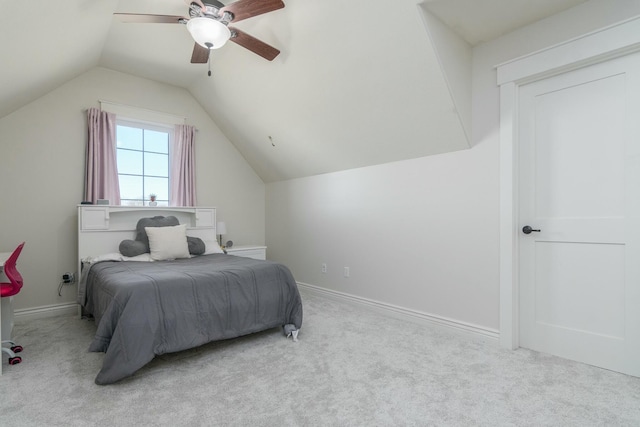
{"x": 256, "y": 252}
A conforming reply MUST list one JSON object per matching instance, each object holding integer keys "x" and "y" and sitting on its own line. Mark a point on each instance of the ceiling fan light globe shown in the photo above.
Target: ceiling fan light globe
{"x": 208, "y": 31}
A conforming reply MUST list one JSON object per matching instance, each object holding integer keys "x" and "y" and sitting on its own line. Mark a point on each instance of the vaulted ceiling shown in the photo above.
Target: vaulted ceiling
{"x": 358, "y": 82}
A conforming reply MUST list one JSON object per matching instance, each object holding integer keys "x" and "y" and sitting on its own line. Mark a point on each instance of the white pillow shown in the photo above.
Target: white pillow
{"x": 212, "y": 247}
{"x": 139, "y": 258}
{"x": 168, "y": 242}
{"x": 115, "y": 256}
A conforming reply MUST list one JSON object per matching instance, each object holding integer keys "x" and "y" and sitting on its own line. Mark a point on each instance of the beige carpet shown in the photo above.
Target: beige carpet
{"x": 351, "y": 367}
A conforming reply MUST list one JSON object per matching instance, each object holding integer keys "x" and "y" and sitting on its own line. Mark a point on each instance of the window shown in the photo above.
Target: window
{"x": 143, "y": 162}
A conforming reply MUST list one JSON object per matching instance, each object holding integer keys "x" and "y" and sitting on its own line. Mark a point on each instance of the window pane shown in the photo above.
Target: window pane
{"x": 155, "y": 141}
{"x": 130, "y": 187}
{"x": 156, "y": 164}
{"x": 143, "y": 163}
{"x": 128, "y": 137}
{"x": 158, "y": 186}
{"x": 129, "y": 162}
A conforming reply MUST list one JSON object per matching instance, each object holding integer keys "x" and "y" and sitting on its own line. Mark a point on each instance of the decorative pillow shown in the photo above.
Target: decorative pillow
{"x": 196, "y": 245}
{"x": 212, "y": 247}
{"x": 156, "y": 221}
{"x": 168, "y": 242}
{"x": 131, "y": 248}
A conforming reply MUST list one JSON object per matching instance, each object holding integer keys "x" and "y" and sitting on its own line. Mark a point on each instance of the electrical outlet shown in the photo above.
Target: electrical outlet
{"x": 323, "y": 268}
{"x": 346, "y": 272}
{"x": 68, "y": 278}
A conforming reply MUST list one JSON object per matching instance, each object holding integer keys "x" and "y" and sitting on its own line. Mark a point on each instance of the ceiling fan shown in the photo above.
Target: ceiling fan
{"x": 208, "y": 24}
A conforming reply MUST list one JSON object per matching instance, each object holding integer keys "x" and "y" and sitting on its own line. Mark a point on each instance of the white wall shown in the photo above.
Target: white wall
{"x": 42, "y": 171}
{"x": 454, "y": 56}
{"x": 421, "y": 234}
{"x": 409, "y": 238}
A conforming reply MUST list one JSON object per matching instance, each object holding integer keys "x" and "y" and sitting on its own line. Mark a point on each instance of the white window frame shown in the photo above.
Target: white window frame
{"x": 158, "y": 127}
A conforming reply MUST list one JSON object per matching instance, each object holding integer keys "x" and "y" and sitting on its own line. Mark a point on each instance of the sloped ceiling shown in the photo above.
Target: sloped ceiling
{"x": 357, "y": 83}
{"x": 57, "y": 42}
{"x": 478, "y": 21}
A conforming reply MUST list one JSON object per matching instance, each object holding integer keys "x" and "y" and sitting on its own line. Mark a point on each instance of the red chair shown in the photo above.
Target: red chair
{"x": 7, "y": 291}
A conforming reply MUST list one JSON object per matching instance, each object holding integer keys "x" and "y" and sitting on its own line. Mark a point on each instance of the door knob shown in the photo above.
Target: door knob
{"x": 528, "y": 230}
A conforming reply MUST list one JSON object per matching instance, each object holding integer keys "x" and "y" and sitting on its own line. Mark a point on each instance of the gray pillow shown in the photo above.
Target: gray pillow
{"x": 196, "y": 245}
{"x": 132, "y": 248}
{"x": 156, "y": 221}
{"x": 140, "y": 246}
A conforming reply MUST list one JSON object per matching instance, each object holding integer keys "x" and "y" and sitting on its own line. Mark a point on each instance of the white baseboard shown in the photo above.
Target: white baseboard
{"x": 381, "y": 307}
{"x": 404, "y": 313}
{"x": 46, "y": 311}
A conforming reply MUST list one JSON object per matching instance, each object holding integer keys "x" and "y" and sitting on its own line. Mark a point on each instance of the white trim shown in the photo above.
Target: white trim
{"x": 620, "y": 39}
{"x": 612, "y": 41}
{"x": 46, "y": 311}
{"x": 402, "y": 313}
{"x": 508, "y": 218}
{"x": 141, "y": 124}
{"x": 141, "y": 114}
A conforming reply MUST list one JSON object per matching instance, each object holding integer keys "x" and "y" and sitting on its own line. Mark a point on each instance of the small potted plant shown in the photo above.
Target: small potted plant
{"x": 152, "y": 198}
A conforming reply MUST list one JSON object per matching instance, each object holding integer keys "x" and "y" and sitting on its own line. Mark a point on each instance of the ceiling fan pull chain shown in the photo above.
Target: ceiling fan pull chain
{"x": 209, "y": 48}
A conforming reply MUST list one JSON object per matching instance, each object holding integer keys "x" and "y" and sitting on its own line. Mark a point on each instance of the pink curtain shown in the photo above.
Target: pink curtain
{"x": 182, "y": 179}
{"x": 101, "y": 168}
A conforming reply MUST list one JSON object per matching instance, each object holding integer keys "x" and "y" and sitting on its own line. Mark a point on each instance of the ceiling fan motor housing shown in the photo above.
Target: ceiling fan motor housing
{"x": 212, "y": 10}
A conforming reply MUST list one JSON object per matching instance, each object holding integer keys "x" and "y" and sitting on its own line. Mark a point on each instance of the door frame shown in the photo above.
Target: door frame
{"x": 607, "y": 43}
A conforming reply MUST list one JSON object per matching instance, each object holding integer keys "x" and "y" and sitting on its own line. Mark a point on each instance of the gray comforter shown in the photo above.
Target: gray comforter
{"x": 146, "y": 309}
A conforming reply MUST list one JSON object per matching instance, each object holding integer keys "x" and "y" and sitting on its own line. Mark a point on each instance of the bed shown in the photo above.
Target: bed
{"x": 143, "y": 309}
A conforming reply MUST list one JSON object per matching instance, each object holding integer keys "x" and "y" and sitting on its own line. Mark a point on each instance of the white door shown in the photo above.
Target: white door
{"x": 579, "y": 184}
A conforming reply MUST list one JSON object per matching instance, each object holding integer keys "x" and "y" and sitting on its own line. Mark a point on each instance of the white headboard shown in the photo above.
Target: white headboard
{"x": 101, "y": 228}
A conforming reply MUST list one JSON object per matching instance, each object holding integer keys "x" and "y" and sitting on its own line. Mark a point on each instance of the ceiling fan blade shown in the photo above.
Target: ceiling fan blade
{"x": 243, "y": 9}
{"x": 253, "y": 44}
{"x": 143, "y": 18}
{"x": 200, "y": 54}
